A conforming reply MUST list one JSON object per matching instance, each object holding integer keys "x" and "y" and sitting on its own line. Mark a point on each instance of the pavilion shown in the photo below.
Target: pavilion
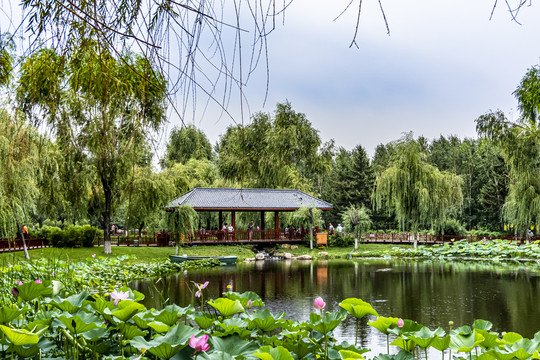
{"x": 259, "y": 201}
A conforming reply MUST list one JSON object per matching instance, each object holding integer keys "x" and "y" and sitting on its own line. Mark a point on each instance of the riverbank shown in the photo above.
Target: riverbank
{"x": 145, "y": 254}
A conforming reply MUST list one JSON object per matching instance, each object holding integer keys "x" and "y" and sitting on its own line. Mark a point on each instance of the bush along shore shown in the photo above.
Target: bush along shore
{"x": 42, "y": 319}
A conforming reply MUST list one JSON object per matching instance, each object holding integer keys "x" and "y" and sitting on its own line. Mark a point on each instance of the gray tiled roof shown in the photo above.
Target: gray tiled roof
{"x": 248, "y": 199}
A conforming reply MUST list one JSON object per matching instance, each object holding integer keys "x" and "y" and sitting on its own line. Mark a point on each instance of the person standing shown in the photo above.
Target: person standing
{"x": 251, "y": 226}
{"x": 331, "y": 229}
{"x": 25, "y": 232}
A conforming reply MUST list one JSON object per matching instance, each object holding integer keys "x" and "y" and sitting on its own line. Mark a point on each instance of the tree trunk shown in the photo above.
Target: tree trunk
{"x": 310, "y": 229}
{"x": 26, "y": 255}
{"x": 415, "y": 237}
{"x": 355, "y": 241}
{"x": 107, "y": 221}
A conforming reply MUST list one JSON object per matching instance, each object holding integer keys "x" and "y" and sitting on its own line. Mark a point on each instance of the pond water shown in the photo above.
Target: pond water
{"x": 431, "y": 293}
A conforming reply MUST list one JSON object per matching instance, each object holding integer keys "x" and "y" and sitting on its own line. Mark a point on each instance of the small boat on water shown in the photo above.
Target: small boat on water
{"x": 222, "y": 259}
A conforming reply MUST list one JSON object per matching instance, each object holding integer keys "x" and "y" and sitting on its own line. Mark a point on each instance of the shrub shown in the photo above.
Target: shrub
{"x": 341, "y": 240}
{"x": 89, "y": 235}
{"x": 55, "y": 236}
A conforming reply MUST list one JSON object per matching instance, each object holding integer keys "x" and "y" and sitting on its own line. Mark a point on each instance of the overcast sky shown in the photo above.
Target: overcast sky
{"x": 443, "y": 65}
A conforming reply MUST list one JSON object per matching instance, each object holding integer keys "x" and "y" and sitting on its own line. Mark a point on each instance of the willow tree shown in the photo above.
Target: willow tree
{"x": 280, "y": 150}
{"x": 97, "y": 106}
{"x": 182, "y": 221}
{"x": 186, "y": 143}
{"x": 307, "y": 216}
{"x": 415, "y": 190}
{"x": 519, "y": 142}
{"x": 357, "y": 220}
{"x": 18, "y": 166}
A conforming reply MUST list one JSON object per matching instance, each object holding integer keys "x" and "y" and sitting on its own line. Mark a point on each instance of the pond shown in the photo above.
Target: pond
{"x": 429, "y": 292}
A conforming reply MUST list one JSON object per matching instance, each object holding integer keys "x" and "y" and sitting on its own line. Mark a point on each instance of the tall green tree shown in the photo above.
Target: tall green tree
{"x": 18, "y": 167}
{"x": 187, "y": 143}
{"x": 520, "y": 145}
{"x": 356, "y": 219}
{"x": 279, "y": 151}
{"x": 415, "y": 190}
{"x": 98, "y": 107}
{"x": 349, "y": 182}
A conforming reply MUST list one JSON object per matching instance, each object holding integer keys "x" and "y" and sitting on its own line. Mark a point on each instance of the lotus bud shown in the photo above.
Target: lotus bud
{"x": 400, "y": 323}
{"x": 319, "y": 303}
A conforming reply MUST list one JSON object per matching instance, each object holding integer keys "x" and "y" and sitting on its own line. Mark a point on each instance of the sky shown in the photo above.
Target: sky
{"x": 444, "y": 64}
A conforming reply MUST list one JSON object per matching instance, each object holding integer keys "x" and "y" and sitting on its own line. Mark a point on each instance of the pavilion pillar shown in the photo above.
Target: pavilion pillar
{"x": 233, "y": 215}
{"x": 262, "y": 220}
{"x": 220, "y": 220}
{"x": 276, "y": 219}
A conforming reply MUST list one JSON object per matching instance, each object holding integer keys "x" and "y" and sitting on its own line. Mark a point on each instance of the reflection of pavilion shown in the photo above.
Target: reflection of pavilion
{"x": 212, "y": 203}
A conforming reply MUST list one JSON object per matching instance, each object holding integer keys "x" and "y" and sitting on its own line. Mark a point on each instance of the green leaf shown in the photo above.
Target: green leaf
{"x": 234, "y": 326}
{"x": 82, "y": 321}
{"x": 511, "y": 337}
{"x": 96, "y": 334}
{"x": 330, "y": 321}
{"x": 384, "y": 323}
{"x": 159, "y": 327}
{"x": 19, "y": 336}
{"x": 70, "y": 304}
{"x": 126, "y": 309}
{"x": 263, "y": 320}
{"x": 270, "y": 353}
{"x": 402, "y": 355}
{"x": 166, "y": 346}
{"x": 358, "y": 308}
{"x": 204, "y": 321}
{"x": 10, "y": 312}
{"x": 482, "y": 324}
{"x": 227, "y": 307}
{"x": 442, "y": 343}
{"x": 465, "y": 343}
{"x": 32, "y": 290}
{"x": 216, "y": 355}
{"x": 347, "y": 354}
{"x": 234, "y": 346}
{"x": 245, "y": 297}
{"x": 130, "y": 331}
{"x": 406, "y": 344}
{"x": 424, "y": 337}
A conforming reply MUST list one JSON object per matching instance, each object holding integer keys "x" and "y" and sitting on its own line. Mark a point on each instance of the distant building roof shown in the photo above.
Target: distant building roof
{"x": 248, "y": 199}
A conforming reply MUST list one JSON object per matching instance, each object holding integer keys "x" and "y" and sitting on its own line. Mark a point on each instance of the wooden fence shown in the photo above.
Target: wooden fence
{"x": 243, "y": 237}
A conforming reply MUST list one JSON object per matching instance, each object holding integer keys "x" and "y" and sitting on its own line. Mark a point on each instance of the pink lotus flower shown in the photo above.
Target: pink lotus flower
{"x": 201, "y": 287}
{"x": 400, "y": 323}
{"x": 94, "y": 255}
{"x": 119, "y": 295}
{"x": 53, "y": 273}
{"x": 38, "y": 281}
{"x": 319, "y": 303}
{"x": 20, "y": 282}
{"x": 200, "y": 343}
{"x": 249, "y": 304}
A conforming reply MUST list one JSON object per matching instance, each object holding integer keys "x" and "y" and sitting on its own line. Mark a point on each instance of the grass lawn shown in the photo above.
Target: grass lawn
{"x": 157, "y": 254}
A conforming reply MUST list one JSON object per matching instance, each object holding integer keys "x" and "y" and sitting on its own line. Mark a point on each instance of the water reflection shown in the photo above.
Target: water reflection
{"x": 431, "y": 293}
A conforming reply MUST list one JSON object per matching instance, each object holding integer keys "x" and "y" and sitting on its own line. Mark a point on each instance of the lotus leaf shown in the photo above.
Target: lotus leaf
{"x": 491, "y": 339}
{"x": 263, "y": 320}
{"x": 159, "y": 327}
{"x": 346, "y": 354}
{"x": 324, "y": 325}
{"x": 383, "y": 324}
{"x": 26, "y": 350}
{"x": 227, "y": 307}
{"x": 204, "y": 320}
{"x": 43, "y": 318}
{"x": 96, "y": 334}
{"x": 234, "y": 326}
{"x": 234, "y": 346}
{"x": 300, "y": 348}
{"x": 350, "y": 347}
{"x": 32, "y": 290}
{"x": 217, "y": 355}
{"x": 130, "y": 331}
{"x": 20, "y": 336}
{"x": 441, "y": 343}
{"x": 166, "y": 346}
{"x": 70, "y": 304}
{"x": 404, "y": 343}
{"x": 82, "y": 321}
{"x": 142, "y": 319}
{"x": 171, "y": 313}
{"x": 270, "y": 353}
{"x": 402, "y": 355}
{"x": 126, "y": 309}
{"x": 465, "y": 342}
{"x": 482, "y": 324}
{"x": 358, "y": 308}
{"x": 10, "y": 312}
{"x": 245, "y": 297}
{"x": 511, "y": 337}
{"x": 424, "y": 337}
{"x": 408, "y": 327}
